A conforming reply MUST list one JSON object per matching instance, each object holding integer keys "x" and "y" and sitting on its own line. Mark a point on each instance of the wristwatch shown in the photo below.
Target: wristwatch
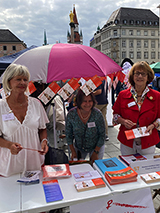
{"x": 96, "y": 151}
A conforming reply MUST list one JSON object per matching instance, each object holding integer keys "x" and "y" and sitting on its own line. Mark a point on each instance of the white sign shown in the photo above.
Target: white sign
{"x": 137, "y": 201}
{"x": 146, "y": 166}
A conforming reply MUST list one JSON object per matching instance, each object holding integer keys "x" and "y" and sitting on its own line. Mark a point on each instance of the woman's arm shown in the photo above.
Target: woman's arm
{"x": 43, "y": 140}
{"x": 12, "y": 146}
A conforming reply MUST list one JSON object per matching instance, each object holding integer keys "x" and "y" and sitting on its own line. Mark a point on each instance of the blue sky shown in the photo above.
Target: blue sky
{"x": 28, "y": 19}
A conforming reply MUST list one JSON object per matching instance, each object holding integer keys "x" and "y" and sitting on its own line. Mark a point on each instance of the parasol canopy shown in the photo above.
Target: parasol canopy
{"x": 156, "y": 67}
{"x": 64, "y": 61}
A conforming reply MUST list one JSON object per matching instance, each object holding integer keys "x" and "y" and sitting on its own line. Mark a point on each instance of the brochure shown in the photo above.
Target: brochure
{"x": 68, "y": 88}
{"x": 110, "y": 164}
{"x": 151, "y": 177}
{"x": 136, "y": 133}
{"x": 132, "y": 158}
{"x": 49, "y": 92}
{"x": 52, "y": 191}
{"x": 121, "y": 176}
{"x": 56, "y": 171}
{"x": 30, "y": 177}
{"x": 91, "y": 85}
{"x": 81, "y": 176}
{"x": 89, "y": 184}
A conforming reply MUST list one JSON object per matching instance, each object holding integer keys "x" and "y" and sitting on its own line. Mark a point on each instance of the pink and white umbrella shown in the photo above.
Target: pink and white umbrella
{"x": 64, "y": 61}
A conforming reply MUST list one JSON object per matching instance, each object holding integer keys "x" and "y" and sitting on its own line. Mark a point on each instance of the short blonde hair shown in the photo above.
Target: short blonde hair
{"x": 12, "y": 71}
{"x": 141, "y": 65}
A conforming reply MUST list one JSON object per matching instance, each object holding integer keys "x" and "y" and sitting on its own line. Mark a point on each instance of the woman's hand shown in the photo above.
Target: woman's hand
{"x": 44, "y": 147}
{"x": 74, "y": 155}
{"x": 149, "y": 129}
{"x": 15, "y": 148}
{"x": 128, "y": 124}
{"x": 94, "y": 157}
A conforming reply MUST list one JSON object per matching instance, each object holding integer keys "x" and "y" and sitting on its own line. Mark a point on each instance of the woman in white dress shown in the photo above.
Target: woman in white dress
{"x": 22, "y": 125}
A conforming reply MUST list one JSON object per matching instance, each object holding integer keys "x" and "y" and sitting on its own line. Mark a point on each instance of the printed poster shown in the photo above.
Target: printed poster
{"x": 66, "y": 91}
{"x": 49, "y": 92}
{"x": 91, "y": 85}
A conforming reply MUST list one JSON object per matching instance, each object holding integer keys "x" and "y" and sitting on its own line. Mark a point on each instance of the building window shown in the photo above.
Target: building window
{"x": 14, "y": 48}
{"x": 138, "y": 44}
{"x": 153, "y": 55}
{"x": 138, "y": 32}
{"x": 131, "y": 55}
{"x": 143, "y": 22}
{"x": 4, "y": 48}
{"x": 138, "y": 55}
{"x": 152, "y": 33}
{"x": 130, "y": 32}
{"x": 98, "y": 39}
{"x": 131, "y": 22}
{"x": 123, "y": 43}
{"x": 114, "y": 43}
{"x": 115, "y": 32}
{"x": 104, "y": 46}
{"x": 116, "y": 21}
{"x": 137, "y": 22}
{"x": 123, "y": 32}
{"x": 152, "y": 44}
{"x": 145, "y": 44}
{"x": 131, "y": 43}
{"x": 145, "y": 55}
{"x": 123, "y": 54}
{"x": 156, "y": 23}
{"x": 145, "y": 32}
{"x": 114, "y": 55}
{"x": 125, "y": 21}
{"x": 150, "y": 23}
{"x": 158, "y": 55}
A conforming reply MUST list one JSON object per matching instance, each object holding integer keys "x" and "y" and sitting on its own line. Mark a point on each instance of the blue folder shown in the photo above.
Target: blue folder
{"x": 110, "y": 164}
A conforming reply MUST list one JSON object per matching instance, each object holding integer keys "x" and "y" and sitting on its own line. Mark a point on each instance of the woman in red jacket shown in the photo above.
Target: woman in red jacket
{"x": 136, "y": 107}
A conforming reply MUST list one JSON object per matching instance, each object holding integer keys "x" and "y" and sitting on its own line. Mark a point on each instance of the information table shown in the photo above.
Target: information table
{"x": 10, "y": 194}
{"x": 17, "y": 197}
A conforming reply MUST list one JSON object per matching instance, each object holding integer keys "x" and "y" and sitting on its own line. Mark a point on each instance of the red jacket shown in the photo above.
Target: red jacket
{"x": 150, "y": 111}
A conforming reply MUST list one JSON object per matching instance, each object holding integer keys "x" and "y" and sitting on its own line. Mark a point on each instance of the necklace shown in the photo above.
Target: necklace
{"x": 84, "y": 118}
{"x": 139, "y": 96}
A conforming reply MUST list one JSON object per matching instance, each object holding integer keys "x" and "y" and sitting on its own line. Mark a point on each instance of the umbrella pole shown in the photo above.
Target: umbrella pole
{"x": 54, "y": 126}
{"x": 64, "y": 108}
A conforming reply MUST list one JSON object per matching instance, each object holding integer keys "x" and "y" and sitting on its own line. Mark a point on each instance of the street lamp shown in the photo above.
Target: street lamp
{"x": 159, "y": 34}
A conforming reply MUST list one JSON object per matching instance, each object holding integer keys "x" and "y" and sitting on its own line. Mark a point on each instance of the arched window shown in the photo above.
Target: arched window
{"x": 124, "y": 21}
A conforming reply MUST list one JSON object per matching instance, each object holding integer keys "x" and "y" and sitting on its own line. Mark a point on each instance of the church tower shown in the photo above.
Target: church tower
{"x": 78, "y": 37}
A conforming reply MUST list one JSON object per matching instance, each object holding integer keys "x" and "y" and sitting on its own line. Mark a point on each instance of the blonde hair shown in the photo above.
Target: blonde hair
{"x": 142, "y": 65}
{"x": 12, "y": 71}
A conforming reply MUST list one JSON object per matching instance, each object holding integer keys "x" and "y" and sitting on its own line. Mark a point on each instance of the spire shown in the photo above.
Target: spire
{"x": 98, "y": 28}
{"x": 45, "y": 38}
{"x": 75, "y": 15}
{"x": 68, "y": 34}
{"x": 81, "y": 33}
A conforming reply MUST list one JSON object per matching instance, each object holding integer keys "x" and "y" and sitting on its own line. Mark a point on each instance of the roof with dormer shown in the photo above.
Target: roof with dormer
{"x": 133, "y": 16}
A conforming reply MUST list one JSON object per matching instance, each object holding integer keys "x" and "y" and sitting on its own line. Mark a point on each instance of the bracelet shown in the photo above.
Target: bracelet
{"x": 44, "y": 139}
{"x": 154, "y": 125}
{"x": 96, "y": 151}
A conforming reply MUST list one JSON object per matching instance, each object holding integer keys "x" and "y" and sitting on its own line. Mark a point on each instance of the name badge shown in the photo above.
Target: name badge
{"x": 7, "y": 117}
{"x": 132, "y": 104}
{"x": 91, "y": 124}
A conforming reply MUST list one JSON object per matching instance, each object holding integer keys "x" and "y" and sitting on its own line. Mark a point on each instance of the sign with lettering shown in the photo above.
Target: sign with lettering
{"x": 136, "y": 201}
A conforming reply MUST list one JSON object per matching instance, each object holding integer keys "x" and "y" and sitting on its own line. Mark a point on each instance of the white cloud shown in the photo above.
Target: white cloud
{"x": 28, "y": 19}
